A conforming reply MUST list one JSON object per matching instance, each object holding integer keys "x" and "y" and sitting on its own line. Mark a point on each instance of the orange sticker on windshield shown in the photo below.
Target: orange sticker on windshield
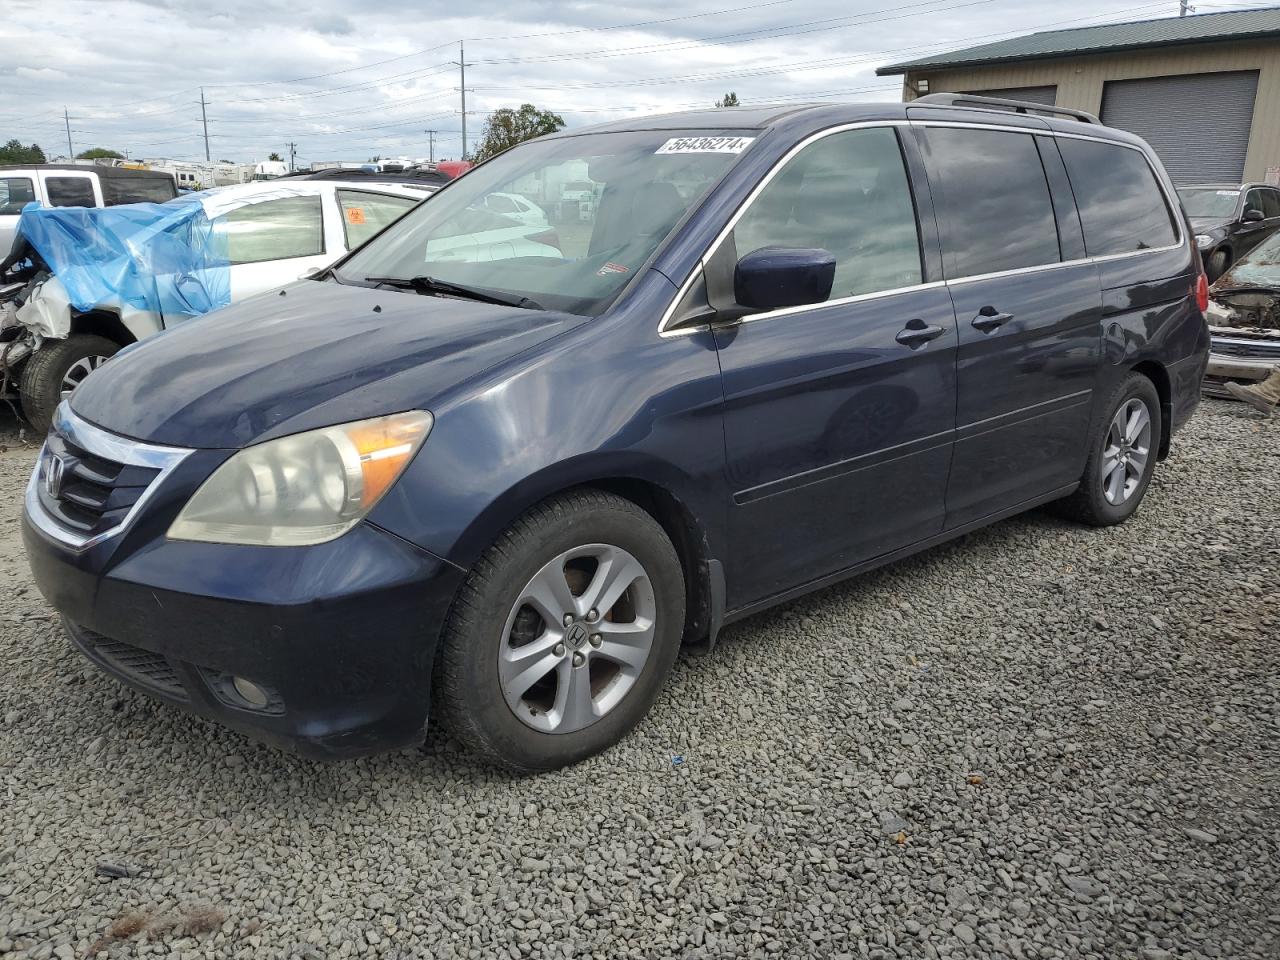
{"x": 355, "y": 214}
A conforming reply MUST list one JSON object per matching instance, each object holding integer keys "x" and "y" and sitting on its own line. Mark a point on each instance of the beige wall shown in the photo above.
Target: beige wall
{"x": 1080, "y": 79}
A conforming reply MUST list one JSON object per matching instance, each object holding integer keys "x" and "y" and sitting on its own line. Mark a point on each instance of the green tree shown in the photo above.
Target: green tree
{"x": 274, "y": 156}
{"x": 730, "y": 99}
{"x": 15, "y": 152}
{"x": 99, "y": 153}
{"x": 506, "y": 127}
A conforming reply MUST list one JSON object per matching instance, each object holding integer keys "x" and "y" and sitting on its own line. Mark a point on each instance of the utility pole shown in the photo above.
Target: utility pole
{"x": 293, "y": 152}
{"x": 67, "y": 119}
{"x": 204, "y": 120}
{"x": 431, "y": 134}
{"x": 1183, "y": 7}
{"x": 462, "y": 67}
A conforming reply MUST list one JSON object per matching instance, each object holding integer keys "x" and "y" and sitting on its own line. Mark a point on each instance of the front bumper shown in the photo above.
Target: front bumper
{"x": 341, "y": 635}
{"x": 1240, "y": 359}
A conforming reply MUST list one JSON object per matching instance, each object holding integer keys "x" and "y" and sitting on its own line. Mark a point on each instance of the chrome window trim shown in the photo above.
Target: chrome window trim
{"x": 683, "y": 289}
{"x": 110, "y": 446}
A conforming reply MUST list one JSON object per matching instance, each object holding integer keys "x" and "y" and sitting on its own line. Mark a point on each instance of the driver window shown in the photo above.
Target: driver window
{"x": 1253, "y": 201}
{"x": 847, "y": 194}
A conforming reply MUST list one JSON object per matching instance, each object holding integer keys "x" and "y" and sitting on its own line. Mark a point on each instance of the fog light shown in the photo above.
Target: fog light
{"x": 250, "y": 692}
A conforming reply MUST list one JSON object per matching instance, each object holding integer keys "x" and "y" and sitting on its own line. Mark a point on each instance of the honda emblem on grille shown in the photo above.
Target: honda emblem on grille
{"x": 53, "y": 472}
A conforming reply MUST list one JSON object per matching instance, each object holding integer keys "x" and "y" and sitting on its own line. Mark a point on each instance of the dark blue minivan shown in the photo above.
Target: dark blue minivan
{"x": 506, "y": 463}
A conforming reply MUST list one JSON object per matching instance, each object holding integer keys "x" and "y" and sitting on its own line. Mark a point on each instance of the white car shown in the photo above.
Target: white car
{"x": 272, "y": 232}
{"x": 516, "y": 207}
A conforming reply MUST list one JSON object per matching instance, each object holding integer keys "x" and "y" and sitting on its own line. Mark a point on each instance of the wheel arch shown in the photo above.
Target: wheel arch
{"x": 103, "y": 323}
{"x": 1159, "y": 378}
{"x": 656, "y": 489}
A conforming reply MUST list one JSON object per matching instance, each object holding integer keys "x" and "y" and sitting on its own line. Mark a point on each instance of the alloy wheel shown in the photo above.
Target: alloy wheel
{"x": 1125, "y": 451}
{"x": 577, "y": 638}
{"x": 78, "y": 371}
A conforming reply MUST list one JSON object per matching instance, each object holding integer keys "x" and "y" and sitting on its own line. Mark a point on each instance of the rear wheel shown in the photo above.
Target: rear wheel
{"x": 56, "y": 370}
{"x": 563, "y": 633}
{"x": 1122, "y": 456}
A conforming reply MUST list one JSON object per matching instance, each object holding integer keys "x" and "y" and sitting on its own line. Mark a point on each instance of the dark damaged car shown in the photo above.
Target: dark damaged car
{"x": 1244, "y": 320}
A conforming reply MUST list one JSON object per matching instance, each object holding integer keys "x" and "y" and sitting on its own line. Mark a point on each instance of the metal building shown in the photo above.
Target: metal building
{"x": 1203, "y": 90}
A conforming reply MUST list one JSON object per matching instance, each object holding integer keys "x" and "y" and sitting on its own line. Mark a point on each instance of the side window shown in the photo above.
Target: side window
{"x": 15, "y": 193}
{"x": 1253, "y": 201}
{"x": 364, "y": 214}
{"x": 848, "y": 194}
{"x": 1122, "y": 207}
{"x": 273, "y": 230}
{"x": 116, "y": 190}
{"x": 1271, "y": 203}
{"x": 69, "y": 191}
{"x": 994, "y": 208}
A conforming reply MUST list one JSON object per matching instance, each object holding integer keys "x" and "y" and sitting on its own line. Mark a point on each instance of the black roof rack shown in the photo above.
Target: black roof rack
{"x": 1012, "y": 106}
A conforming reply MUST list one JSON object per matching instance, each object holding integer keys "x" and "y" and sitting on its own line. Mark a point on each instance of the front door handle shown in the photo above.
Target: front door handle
{"x": 917, "y": 333}
{"x": 989, "y": 319}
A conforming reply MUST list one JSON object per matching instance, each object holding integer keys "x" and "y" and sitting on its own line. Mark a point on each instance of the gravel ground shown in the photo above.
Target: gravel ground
{"x": 1039, "y": 741}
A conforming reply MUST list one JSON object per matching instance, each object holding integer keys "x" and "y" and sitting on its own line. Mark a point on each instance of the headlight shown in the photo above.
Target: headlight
{"x": 1204, "y": 240}
{"x": 304, "y": 489}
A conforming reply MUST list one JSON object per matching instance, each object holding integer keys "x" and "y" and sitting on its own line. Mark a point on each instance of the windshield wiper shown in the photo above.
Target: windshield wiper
{"x": 432, "y": 285}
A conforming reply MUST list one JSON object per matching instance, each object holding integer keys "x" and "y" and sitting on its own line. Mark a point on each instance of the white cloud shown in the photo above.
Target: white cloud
{"x": 346, "y": 85}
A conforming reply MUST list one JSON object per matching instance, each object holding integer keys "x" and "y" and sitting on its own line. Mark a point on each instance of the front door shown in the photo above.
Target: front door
{"x": 1028, "y": 307}
{"x": 838, "y": 416}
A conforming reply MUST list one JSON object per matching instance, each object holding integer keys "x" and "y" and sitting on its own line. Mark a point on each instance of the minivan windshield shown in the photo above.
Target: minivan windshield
{"x": 600, "y": 204}
{"x": 1201, "y": 202}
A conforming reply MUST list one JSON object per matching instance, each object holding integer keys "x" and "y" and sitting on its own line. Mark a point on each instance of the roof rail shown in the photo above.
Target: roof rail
{"x": 1014, "y": 106}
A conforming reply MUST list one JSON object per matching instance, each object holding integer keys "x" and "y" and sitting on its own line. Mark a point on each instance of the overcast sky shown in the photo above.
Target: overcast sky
{"x": 348, "y": 84}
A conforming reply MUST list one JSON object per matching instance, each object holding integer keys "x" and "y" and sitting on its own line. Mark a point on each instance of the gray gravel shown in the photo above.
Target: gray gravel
{"x": 1041, "y": 741}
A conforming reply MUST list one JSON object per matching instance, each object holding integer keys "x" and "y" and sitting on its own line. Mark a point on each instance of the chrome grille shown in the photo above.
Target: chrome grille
{"x": 1259, "y": 349}
{"x": 88, "y": 483}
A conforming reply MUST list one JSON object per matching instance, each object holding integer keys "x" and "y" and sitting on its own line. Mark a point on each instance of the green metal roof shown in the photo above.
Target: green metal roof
{"x": 1200, "y": 28}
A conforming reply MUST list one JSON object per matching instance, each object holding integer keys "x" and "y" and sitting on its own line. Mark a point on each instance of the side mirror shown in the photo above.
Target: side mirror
{"x": 775, "y": 277}
{"x": 1253, "y": 215}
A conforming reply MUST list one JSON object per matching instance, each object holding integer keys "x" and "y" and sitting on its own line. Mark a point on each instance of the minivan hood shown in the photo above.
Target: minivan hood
{"x": 314, "y": 354}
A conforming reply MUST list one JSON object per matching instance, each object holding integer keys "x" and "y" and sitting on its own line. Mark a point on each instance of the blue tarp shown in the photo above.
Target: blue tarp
{"x": 162, "y": 257}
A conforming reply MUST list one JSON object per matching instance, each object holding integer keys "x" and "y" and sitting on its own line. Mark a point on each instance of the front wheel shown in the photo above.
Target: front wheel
{"x": 1122, "y": 456}
{"x": 1217, "y": 265}
{"x": 56, "y": 369}
{"x": 563, "y": 633}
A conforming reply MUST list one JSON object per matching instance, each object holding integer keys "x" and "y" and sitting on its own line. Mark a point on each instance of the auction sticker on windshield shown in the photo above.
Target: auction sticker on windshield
{"x": 705, "y": 145}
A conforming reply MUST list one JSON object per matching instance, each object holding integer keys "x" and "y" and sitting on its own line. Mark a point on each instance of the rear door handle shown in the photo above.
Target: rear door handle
{"x": 989, "y": 319}
{"x": 917, "y": 333}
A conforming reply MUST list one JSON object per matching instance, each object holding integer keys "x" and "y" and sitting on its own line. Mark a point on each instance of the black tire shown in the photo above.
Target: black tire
{"x": 1219, "y": 260}
{"x": 469, "y": 694}
{"x": 1089, "y": 504}
{"x": 41, "y": 385}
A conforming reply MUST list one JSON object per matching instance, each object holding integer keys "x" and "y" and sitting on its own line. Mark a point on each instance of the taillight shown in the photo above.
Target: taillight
{"x": 1202, "y": 293}
{"x": 549, "y": 237}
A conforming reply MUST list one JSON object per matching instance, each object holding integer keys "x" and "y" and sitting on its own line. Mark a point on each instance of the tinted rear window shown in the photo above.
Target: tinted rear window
{"x": 137, "y": 190}
{"x": 994, "y": 208}
{"x": 1122, "y": 207}
{"x": 69, "y": 191}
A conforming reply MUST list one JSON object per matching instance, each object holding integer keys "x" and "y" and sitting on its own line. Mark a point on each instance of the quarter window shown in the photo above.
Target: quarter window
{"x": 69, "y": 191}
{"x": 994, "y": 208}
{"x": 1122, "y": 207}
{"x": 847, "y": 194}
{"x": 273, "y": 230}
{"x": 364, "y": 214}
{"x": 15, "y": 193}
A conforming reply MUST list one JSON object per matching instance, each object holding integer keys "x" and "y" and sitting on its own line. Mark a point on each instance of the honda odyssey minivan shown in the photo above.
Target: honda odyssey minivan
{"x": 788, "y": 345}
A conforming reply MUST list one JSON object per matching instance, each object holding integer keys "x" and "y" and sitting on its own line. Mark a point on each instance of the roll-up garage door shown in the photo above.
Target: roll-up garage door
{"x": 1046, "y": 95}
{"x": 1198, "y": 123}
